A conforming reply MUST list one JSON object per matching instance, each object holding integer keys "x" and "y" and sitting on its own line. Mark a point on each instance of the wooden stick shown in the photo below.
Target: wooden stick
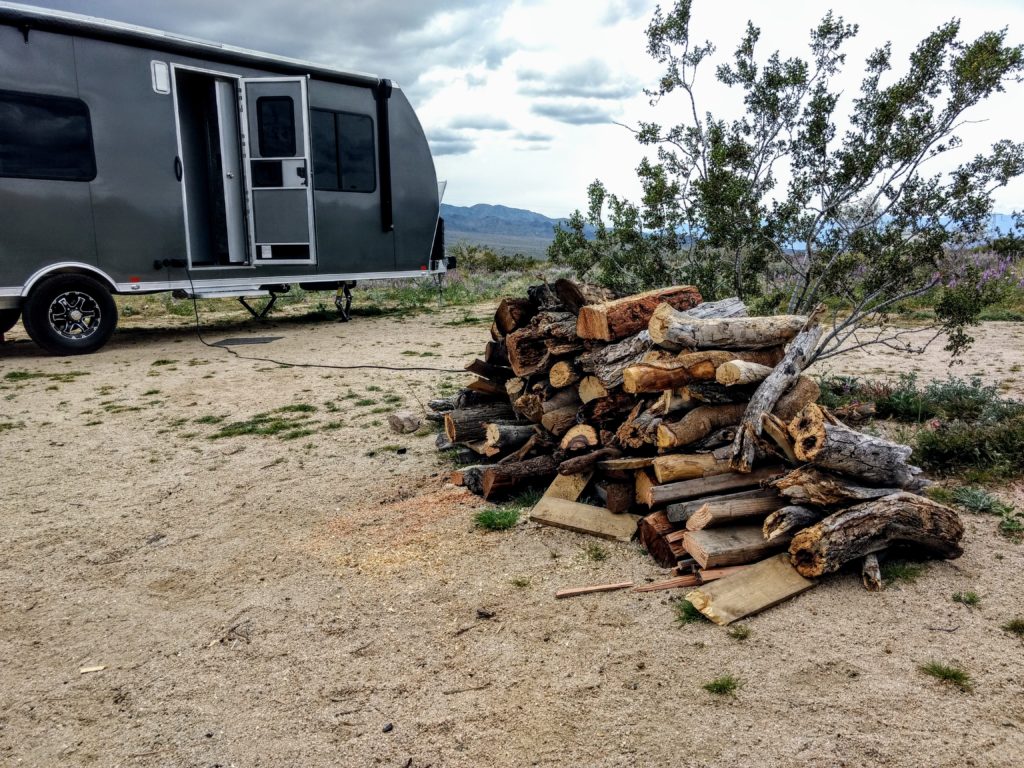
{"x": 678, "y": 582}
{"x": 575, "y": 591}
{"x": 713, "y": 574}
{"x": 871, "y": 573}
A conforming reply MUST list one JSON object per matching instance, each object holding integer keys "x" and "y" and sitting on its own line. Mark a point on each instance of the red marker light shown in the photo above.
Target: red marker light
{"x": 134, "y": 280}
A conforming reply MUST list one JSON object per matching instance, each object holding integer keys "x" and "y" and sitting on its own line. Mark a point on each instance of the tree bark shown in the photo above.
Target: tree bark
{"x": 839, "y": 448}
{"x": 809, "y": 486}
{"x": 669, "y": 325}
{"x": 501, "y": 478}
{"x": 466, "y": 425}
{"x": 495, "y": 373}
{"x": 587, "y": 461}
{"x": 739, "y": 372}
{"x": 513, "y": 314}
{"x": 901, "y": 519}
{"x": 687, "y": 466}
{"x": 698, "y": 423}
{"x": 616, "y": 319}
{"x": 686, "y": 368}
{"x": 788, "y": 520}
{"x": 507, "y": 437}
{"x": 527, "y": 353}
{"x": 744, "y": 449}
{"x": 558, "y": 421}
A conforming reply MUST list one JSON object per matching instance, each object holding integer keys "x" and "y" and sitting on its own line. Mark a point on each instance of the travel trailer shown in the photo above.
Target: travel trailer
{"x": 134, "y": 161}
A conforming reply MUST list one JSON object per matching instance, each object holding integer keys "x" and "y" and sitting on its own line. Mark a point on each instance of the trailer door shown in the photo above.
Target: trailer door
{"x": 275, "y": 113}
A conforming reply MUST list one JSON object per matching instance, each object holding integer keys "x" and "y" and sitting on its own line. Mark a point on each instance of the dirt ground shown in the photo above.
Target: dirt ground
{"x": 320, "y": 600}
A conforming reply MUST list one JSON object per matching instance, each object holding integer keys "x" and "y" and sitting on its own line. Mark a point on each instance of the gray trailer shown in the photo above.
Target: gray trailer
{"x": 134, "y": 161}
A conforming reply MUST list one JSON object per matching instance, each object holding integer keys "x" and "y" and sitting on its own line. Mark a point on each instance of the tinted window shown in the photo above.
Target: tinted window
{"x": 343, "y": 152}
{"x": 275, "y": 118}
{"x": 45, "y": 137}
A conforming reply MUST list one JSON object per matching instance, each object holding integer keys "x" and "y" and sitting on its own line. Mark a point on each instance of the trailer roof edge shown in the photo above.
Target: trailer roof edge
{"x": 28, "y": 18}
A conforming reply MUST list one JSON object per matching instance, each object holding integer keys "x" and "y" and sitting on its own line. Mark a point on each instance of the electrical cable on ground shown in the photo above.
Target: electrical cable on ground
{"x": 199, "y": 335}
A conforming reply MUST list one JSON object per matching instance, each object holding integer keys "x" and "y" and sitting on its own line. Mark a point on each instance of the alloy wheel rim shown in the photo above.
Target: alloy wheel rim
{"x": 74, "y": 315}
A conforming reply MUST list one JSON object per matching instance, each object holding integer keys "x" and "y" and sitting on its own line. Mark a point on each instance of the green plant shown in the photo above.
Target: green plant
{"x": 949, "y": 674}
{"x": 979, "y": 501}
{"x": 970, "y": 599}
{"x": 496, "y": 519}
{"x": 687, "y": 613}
{"x": 163, "y": 362}
{"x": 596, "y": 552}
{"x": 725, "y": 685}
{"x": 902, "y": 570}
{"x": 1014, "y": 627}
{"x": 363, "y": 402}
{"x": 739, "y": 631}
{"x": 209, "y": 419}
{"x": 520, "y": 582}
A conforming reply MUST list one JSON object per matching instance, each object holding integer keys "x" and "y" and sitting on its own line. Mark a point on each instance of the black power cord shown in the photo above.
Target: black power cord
{"x": 199, "y": 335}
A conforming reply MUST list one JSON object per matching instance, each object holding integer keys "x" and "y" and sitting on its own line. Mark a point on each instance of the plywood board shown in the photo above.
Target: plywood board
{"x": 584, "y": 518}
{"x": 753, "y": 589}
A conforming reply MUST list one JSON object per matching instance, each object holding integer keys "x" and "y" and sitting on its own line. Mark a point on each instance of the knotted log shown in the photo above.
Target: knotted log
{"x": 808, "y": 486}
{"x": 580, "y": 437}
{"x": 616, "y": 319}
{"x": 788, "y": 520}
{"x": 901, "y": 519}
{"x": 669, "y": 325}
{"x": 655, "y": 376}
{"x": 839, "y": 448}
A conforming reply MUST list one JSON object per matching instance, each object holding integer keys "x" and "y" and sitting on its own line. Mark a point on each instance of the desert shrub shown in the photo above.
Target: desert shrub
{"x": 994, "y": 449}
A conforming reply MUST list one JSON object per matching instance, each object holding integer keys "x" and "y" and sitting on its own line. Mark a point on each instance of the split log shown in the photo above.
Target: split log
{"x": 871, "y": 573}
{"x": 574, "y": 296}
{"x": 836, "y": 447}
{"x": 527, "y": 352}
{"x": 495, "y": 373}
{"x": 653, "y": 530}
{"x": 683, "y": 466}
{"x": 581, "y": 437}
{"x": 901, "y": 519}
{"x": 616, "y": 319}
{"x": 733, "y": 508}
{"x": 495, "y": 353}
{"x": 513, "y": 314}
{"x": 772, "y": 389}
{"x": 754, "y": 589}
{"x": 591, "y": 388}
{"x": 655, "y": 376}
{"x": 739, "y": 372}
{"x": 529, "y": 406}
{"x": 587, "y": 461}
{"x": 514, "y": 387}
{"x": 669, "y": 325}
{"x": 404, "y": 422}
{"x": 656, "y": 495}
{"x": 809, "y": 486}
{"x": 776, "y": 429}
{"x": 561, "y": 374}
{"x": 489, "y": 388}
{"x": 617, "y": 497}
{"x": 558, "y": 421}
{"x": 560, "y": 348}
{"x": 735, "y": 545}
{"x": 640, "y": 428}
{"x": 713, "y": 393}
{"x": 608, "y": 412}
{"x": 507, "y": 437}
{"x": 785, "y": 522}
{"x": 501, "y": 478}
{"x": 466, "y": 425}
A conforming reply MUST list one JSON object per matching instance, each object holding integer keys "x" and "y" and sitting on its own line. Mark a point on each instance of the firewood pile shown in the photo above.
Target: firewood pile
{"x": 693, "y": 426}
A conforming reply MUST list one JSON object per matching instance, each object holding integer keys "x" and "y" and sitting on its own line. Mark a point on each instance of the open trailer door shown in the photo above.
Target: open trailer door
{"x": 279, "y": 185}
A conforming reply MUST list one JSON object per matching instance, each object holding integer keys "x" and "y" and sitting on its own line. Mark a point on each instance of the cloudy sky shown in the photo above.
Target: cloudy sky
{"x": 524, "y": 101}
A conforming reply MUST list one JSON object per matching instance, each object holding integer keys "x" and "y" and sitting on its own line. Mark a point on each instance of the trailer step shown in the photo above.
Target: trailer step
{"x": 228, "y": 293}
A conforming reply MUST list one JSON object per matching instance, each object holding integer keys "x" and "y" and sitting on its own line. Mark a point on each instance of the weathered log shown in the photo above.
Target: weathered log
{"x": 514, "y": 387}
{"x": 777, "y": 431}
{"x": 698, "y": 423}
{"x": 513, "y": 314}
{"x": 495, "y": 373}
{"x": 544, "y": 297}
{"x": 739, "y": 372}
{"x": 656, "y": 376}
{"x": 527, "y": 353}
{"x": 495, "y": 353}
{"x": 466, "y": 425}
{"x": 640, "y": 428}
{"x": 529, "y": 406}
{"x": 471, "y": 478}
{"x": 607, "y": 363}
{"x": 788, "y": 520}
{"x": 607, "y": 412}
{"x": 855, "y": 412}
{"x": 562, "y": 374}
{"x": 733, "y": 508}
{"x": 591, "y": 388}
{"x": 574, "y": 296}
{"x": 809, "y": 486}
{"x": 716, "y": 440}
{"x": 558, "y": 421}
{"x": 441, "y": 404}
{"x": 772, "y": 389}
{"x": 653, "y": 533}
{"x": 580, "y": 437}
{"x": 560, "y": 399}
{"x": 836, "y": 447}
{"x": 667, "y": 324}
{"x": 501, "y": 478}
{"x": 723, "y": 308}
{"x": 587, "y": 461}
{"x": 655, "y": 495}
{"x": 901, "y": 519}
{"x": 687, "y": 466}
{"x": 871, "y": 573}
{"x": 507, "y": 437}
{"x": 713, "y": 393}
{"x": 616, "y": 319}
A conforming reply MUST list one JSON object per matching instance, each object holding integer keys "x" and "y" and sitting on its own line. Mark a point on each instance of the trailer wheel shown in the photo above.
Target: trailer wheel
{"x": 70, "y": 315}
{"x": 8, "y": 319}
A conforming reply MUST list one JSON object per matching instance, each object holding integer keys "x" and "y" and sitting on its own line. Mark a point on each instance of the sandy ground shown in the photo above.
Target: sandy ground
{"x": 316, "y": 601}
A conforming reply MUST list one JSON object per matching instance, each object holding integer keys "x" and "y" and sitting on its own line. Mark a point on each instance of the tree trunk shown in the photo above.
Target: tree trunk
{"x": 744, "y": 449}
{"x": 507, "y": 437}
{"x": 466, "y": 425}
{"x": 809, "y": 486}
{"x": 690, "y": 367}
{"x": 901, "y": 519}
{"x": 616, "y": 319}
{"x": 668, "y": 325}
{"x": 501, "y": 478}
{"x": 739, "y": 372}
{"x": 852, "y": 453}
{"x": 787, "y": 521}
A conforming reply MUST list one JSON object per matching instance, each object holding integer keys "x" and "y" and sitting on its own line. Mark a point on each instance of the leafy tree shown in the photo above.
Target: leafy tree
{"x": 791, "y": 203}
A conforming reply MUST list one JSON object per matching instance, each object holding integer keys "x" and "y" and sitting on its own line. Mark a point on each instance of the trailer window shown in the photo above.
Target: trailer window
{"x": 344, "y": 157}
{"x": 276, "y": 123}
{"x": 45, "y": 137}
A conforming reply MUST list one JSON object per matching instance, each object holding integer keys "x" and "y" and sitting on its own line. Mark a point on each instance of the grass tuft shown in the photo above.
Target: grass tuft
{"x": 725, "y": 685}
{"x": 1014, "y": 627}
{"x": 948, "y": 674}
{"x": 902, "y": 570}
{"x": 596, "y": 552}
{"x": 739, "y": 632}
{"x": 970, "y": 599}
{"x": 496, "y": 519}
{"x": 687, "y": 613}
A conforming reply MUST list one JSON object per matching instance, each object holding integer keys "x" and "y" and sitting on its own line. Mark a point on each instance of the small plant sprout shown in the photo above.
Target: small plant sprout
{"x": 596, "y": 552}
{"x": 970, "y": 599}
{"x": 497, "y": 519}
{"x": 1014, "y": 627}
{"x": 687, "y": 613}
{"x": 739, "y": 632}
{"x": 725, "y": 685}
{"x": 520, "y": 582}
{"x": 948, "y": 674}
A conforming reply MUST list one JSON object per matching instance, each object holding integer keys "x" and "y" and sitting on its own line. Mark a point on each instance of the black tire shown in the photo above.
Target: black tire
{"x": 8, "y": 319}
{"x": 70, "y": 315}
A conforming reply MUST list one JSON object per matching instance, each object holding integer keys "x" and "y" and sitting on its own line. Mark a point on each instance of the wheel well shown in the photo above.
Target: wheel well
{"x": 57, "y": 270}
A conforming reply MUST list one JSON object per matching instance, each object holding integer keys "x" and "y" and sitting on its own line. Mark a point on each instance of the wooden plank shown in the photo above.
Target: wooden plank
{"x": 738, "y": 545}
{"x": 563, "y": 593}
{"x": 760, "y": 586}
{"x": 568, "y": 487}
{"x": 689, "y": 580}
{"x": 655, "y": 495}
{"x": 584, "y": 518}
{"x": 714, "y": 574}
{"x": 682, "y": 511}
